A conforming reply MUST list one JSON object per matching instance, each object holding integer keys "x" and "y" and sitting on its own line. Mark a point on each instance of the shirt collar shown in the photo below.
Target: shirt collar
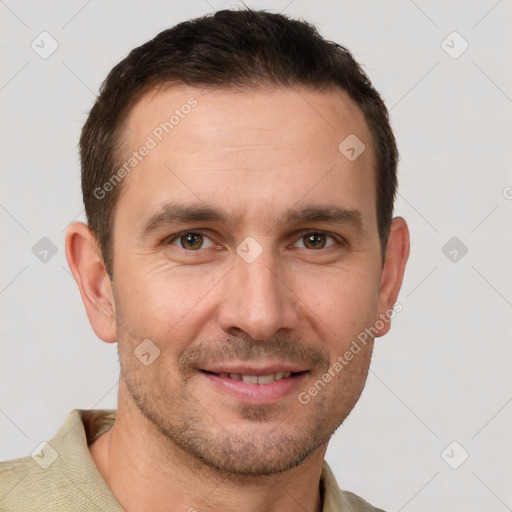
{"x": 83, "y": 427}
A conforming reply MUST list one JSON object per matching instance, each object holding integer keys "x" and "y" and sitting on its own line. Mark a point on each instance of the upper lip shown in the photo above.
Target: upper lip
{"x": 254, "y": 369}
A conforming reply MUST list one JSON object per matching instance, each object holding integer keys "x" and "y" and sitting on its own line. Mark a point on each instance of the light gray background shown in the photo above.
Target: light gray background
{"x": 441, "y": 375}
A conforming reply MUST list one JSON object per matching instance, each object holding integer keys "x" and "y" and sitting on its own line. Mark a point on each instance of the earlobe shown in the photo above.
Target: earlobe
{"x": 86, "y": 265}
{"x": 397, "y": 253}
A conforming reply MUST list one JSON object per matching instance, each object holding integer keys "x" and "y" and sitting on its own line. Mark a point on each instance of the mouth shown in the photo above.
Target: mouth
{"x": 255, "y": 379}
{"x": 251, "y": 385}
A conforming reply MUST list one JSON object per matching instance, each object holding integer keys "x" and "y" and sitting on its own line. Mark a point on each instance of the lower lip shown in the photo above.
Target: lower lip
{"x": 257, "y": 393}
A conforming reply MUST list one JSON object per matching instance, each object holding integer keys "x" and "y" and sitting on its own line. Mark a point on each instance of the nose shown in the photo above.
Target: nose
{"x": 257, "y": 300}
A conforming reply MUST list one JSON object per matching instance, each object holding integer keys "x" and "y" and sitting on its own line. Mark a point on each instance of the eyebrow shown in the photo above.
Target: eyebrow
{"x": 176, "y": 213}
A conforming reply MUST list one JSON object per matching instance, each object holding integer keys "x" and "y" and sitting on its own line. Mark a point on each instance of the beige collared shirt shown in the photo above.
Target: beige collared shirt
{"x": 62, "y": 476}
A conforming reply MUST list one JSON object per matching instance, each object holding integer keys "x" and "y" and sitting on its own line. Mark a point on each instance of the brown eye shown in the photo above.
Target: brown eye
{"x": 192, "y": 241}
{"x": 316, "y": 241}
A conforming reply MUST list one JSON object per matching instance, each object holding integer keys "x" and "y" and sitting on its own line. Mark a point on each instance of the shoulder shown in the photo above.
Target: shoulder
{"x": 357, "y": 503}
{"x": 60, "y": 474}
{"x": 337, "y": 500}
{"x": 24, "y": 479}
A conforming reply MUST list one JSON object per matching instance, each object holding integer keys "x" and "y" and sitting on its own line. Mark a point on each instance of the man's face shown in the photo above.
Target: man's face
{"x": 245, "y": 245}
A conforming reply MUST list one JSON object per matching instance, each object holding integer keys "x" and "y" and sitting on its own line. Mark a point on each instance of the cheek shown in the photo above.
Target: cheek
{"x": 343, "y": 301}
{"x": 165, "y": 303}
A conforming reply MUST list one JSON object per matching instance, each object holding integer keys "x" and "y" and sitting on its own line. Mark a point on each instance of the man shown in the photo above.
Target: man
{"x": 238, "y": 174}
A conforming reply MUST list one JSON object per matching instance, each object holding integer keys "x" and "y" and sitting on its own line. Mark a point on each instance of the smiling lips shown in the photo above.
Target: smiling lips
{"x": 256, "y": 386}
{"x": 253, "y": 384}
{"x": 256, "y": 379}
{"x": 252, "y": 374}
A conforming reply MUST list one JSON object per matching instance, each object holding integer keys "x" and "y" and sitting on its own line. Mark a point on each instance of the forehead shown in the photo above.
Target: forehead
{"x": 247, "y": 151}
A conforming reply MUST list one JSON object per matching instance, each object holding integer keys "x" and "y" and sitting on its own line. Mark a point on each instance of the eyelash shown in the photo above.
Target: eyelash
{"x": 338, "y": 239}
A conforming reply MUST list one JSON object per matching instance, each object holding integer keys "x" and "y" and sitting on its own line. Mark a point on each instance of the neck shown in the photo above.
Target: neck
{"x": 145, "y": 471}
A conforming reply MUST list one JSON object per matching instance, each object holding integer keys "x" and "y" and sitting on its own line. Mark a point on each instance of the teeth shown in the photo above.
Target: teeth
{"x": 251, "y": 379}
{"x": 266, "y": 379}
{"x": 254, "y": 379}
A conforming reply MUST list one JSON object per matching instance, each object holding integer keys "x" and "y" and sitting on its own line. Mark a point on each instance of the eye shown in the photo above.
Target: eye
{"x": 191, "y": 241}
{"x": 316, "y": 240}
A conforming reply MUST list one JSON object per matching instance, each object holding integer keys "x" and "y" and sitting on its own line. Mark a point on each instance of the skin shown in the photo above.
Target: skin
{"x": 179, "y": 441}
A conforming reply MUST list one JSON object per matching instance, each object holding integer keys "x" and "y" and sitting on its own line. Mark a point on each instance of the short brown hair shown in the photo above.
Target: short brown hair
{"x": 241, "y": 49}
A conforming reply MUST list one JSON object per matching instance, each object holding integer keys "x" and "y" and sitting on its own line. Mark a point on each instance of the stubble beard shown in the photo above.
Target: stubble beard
{"x": 257, "y": 450}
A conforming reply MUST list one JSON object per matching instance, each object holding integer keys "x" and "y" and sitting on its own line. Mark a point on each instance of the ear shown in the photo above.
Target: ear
{"x": 397, "y": 253}
{"x": 86, "y": 265}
